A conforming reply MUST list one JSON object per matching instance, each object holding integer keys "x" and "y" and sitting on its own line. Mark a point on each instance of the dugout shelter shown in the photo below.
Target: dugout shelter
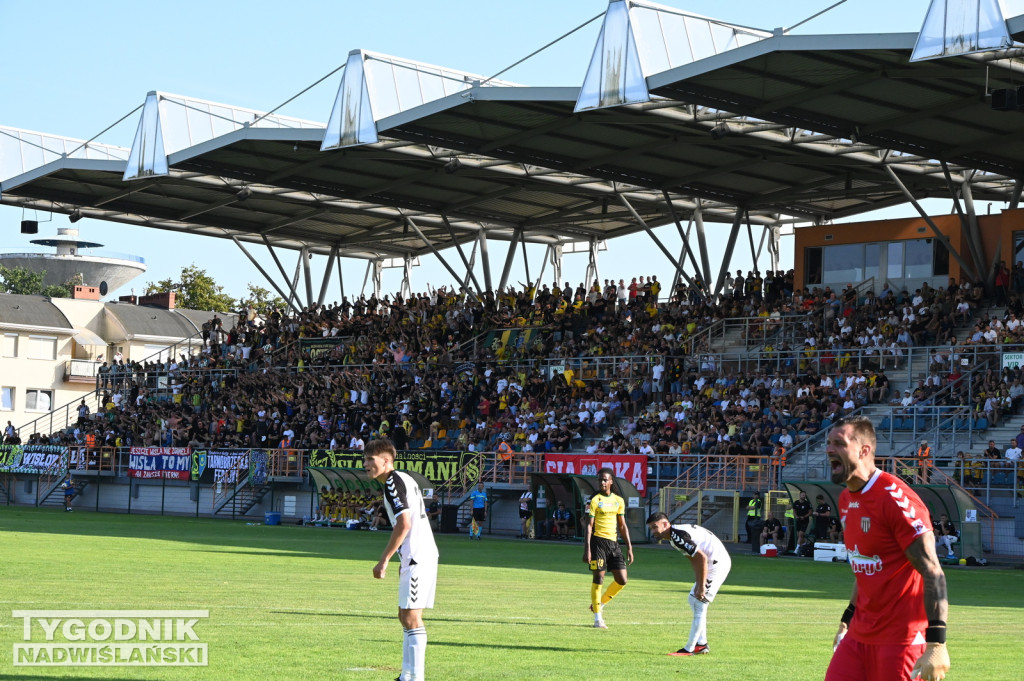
{"x": 575, "y": 492}
{"x": 948, "y": 499}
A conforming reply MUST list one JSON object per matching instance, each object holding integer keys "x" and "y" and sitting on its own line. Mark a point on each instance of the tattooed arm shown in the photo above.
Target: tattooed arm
{"x": 934, "y": 662}
{"x": 921, "y": 555}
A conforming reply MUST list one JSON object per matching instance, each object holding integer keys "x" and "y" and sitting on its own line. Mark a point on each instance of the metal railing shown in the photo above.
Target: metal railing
{"x": 65, "y": 415}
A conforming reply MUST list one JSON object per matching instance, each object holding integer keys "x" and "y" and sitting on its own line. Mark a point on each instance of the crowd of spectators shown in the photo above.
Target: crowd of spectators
{"x": 440, "y": 368}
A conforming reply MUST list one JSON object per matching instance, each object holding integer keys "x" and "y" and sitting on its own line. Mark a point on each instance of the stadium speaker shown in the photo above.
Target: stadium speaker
{"x": 1008, "y": 99}
{"x": 29, "y": 227}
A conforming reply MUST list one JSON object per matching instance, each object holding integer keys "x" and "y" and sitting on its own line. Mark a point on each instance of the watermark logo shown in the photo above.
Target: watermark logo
{"x": 110, "y": 638}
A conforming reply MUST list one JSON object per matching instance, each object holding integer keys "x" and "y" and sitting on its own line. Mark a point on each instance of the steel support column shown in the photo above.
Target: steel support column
{"x": 650, "y": 232}
{"x": 684, "y": 237}
{"x": 433, "y": 249}
{"x": 774, "y": 242}
{"x": 366, "y": 277}
{"x": 485, "y": 259}
{"x": 341, "y": 280}
{"x": 406, "y": 289}
{"x": 462, "y": 254}
{"x": 753, "y": 253}
{"x": 378, "y": 272}
{"x": 510, "y": 257}
{"x": 592, "y": 271}
{"x": 556, "y": 250}
{"x": 304, "y": 257}
{"x": 280, "y": 267}
{"x": 974, "y": 232}
{"x": 924, "y": 215}
{"x": 702, "y": 243}
{"x": 263, "y": 272}
{"x": 295, "y": 279}
{"x": 729, "y": 246}
{"x": 327, "y": 275}
{"x": 540, "y": 275}
{"x": 469, "y": 270}
{"x": 526, "y": 262}
{"x": 967, "y": 229}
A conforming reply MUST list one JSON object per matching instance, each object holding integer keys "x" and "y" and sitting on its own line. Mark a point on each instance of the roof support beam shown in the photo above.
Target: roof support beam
{"x": 304, "y": 258}
{"x": 753, "y": 253}
{"x": 284, "y": 275}
{"x": 729, "y": 246}
{"x": 702, "y": 243}
{"x": 510, "y": 257}
{"x": 1018, "y": 185}
{"x": 469, "y": 269}
{"x": 437, "y": 254}
{"x": 327, "y": 275}
{"x": 485, "y": 259}
{"x": 341, "y": 281}
{"x": 262, "y": 271}
{"x": 968, "y": 226}
{"x": 685, "y": 237}
{"x": 295, "y": 278}
{"x": 592, "y": 272}
{"x": 974, "y": 232}
{"x": 676, "y": 265}
{"x": 924, "y": 215}
{"x": 462, "y": 254}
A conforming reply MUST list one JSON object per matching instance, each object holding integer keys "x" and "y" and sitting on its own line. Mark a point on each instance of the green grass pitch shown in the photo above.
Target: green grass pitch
{"x": 300, "y": 603}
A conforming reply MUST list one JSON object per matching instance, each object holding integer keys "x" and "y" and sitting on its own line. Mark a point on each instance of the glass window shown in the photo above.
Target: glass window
{"x": 812, "y": 270}
{"x": 6, "y": 399}
{"x": 894, "y": 263}
{"x": 940, "y": 256}
{"x": 872, "y": 256}
{"x": 42, "y": 347}
{"x": 9, "y": 345}
{"x": 844, "y": 264}
{"x": 38, "y": 400}
{"x": 918, "y": 259}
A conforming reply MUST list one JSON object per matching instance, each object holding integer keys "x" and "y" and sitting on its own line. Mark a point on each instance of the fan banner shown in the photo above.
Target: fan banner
{"x": 632, "y": 467}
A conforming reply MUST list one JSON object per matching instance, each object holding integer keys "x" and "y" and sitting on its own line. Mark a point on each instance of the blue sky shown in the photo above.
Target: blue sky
{"x": 74, "y": 68}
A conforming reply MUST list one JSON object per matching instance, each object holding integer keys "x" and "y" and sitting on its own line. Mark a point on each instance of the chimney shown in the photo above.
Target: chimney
{"x": 86, "y": 293}
{"x": 165, "y": 300}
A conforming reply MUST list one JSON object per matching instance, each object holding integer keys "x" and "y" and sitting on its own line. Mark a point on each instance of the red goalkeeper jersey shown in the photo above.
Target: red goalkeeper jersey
{"x": 880, "y": 522}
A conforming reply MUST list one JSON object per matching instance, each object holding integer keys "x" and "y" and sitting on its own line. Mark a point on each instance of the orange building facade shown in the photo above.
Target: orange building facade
{"x": 904, "y": 252}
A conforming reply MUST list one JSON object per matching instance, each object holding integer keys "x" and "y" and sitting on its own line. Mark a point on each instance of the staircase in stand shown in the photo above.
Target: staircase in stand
{"x": 245, "y": 496}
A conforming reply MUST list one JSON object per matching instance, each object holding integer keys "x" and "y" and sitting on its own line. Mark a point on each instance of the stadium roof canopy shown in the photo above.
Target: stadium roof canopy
{"x": 742, "y": 125}
{"x": 864, "y": 88}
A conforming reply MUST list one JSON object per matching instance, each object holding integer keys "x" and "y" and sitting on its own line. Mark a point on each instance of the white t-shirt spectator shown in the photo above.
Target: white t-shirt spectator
{"x": 1013, "y": 453}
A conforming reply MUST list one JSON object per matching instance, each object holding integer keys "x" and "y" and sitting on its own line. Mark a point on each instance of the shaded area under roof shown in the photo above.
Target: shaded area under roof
{"x": 675, "y": 146}
{"x": 863, "y": 87}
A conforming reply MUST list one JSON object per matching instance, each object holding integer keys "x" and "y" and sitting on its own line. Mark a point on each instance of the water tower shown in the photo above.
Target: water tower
{"x": 107, "y": 271}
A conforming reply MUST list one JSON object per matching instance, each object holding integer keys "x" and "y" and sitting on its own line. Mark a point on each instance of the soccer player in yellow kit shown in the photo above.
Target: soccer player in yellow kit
{"x": 601, "y": 546}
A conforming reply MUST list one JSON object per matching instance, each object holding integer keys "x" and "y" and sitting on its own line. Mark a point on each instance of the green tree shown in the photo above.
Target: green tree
{"x": 195, "y": 289}
{"x": 261, "y": 300}
{"x": 27, "y": 282}
{"x": 56, "y": 291}
{"x": 21, "y": 281}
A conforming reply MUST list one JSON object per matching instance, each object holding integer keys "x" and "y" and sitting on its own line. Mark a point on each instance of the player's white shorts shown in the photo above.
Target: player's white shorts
{"x": 416, "y": 585}
{"x": 717, "y": 572}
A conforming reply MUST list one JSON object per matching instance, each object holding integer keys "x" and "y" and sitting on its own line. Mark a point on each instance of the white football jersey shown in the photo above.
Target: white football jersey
{"x": 403, "y": 495}
{"x": 689, "y": 538}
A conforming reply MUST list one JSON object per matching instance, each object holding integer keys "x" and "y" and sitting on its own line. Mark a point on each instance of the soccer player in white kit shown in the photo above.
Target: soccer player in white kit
{"x": 413, "y": 540}
{"x": 711, "y": 564}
